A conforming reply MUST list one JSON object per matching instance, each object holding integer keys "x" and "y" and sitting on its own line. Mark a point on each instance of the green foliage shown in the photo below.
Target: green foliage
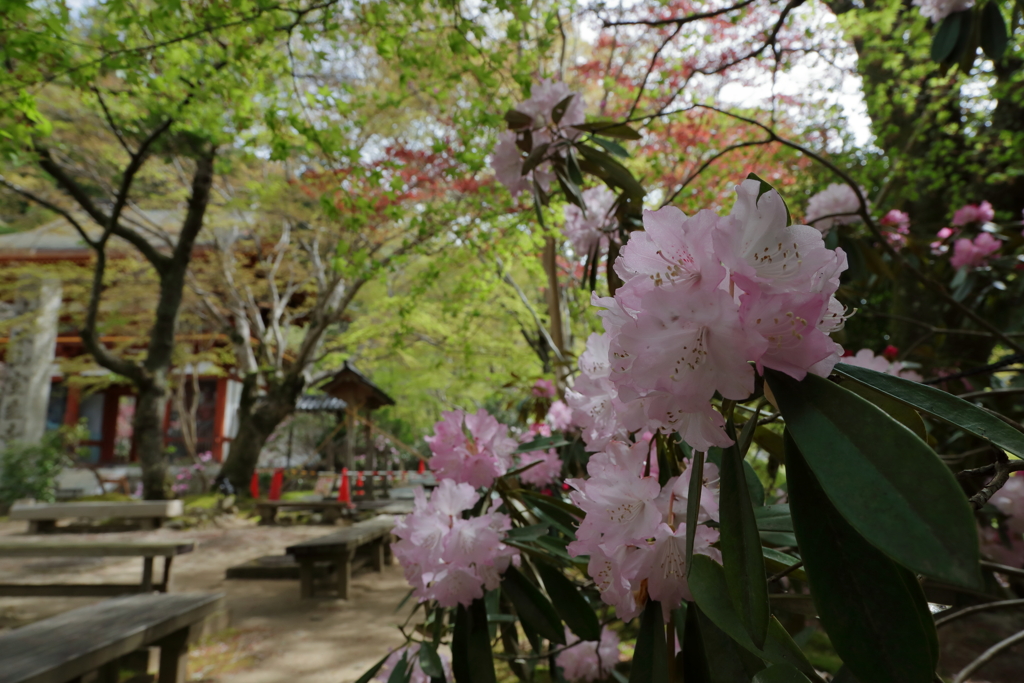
{"x": 30, "y": 470}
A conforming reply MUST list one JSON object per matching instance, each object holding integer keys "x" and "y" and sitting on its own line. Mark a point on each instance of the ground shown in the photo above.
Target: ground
{"x": 273, "y": 636}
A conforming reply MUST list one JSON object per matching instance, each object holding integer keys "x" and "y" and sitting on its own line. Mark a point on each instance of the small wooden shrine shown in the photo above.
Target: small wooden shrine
{"x": 360, "y": 396}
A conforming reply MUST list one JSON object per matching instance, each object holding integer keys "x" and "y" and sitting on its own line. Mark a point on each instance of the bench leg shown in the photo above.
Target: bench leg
{"x": 330, "y": 515}
{"x": 165, "y": 585}
{"x": 389, "y": 557}
{"x": 343, "y": 567}
{"x": 41, "y": 526}
{"x": 109, "y": 672}
{"x": 149, "y": 523}
{"x": 306, "y": 567}
{"x": 267, "y": 513}
{"x": 173, "y": 657}
{"x": 147, "y": 574}
{"x": 377, "y": 555}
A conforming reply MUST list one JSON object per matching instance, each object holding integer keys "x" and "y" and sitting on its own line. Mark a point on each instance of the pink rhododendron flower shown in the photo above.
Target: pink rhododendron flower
{"x": 634, "y": 529}
{"x": 411, "y": 655}
{"x": 590, "y": 231}
{"x": 974, "y": 213}
{"x": 968, "y": 254}
{"x": 543, "y": 388}
{"x": 448, "y": 558}
{"x": 938, "y": 247}
{"x": 585, "y": 661}
{"x": 896, "y": 219}
{"x": 593, "y": 398}
{"x": 865, "y": 358}
{"x": 837, "y": 204}
{"x": 559, "y": 416}
{"x": 507, "y": 158}
{"x": 703, "y": 297}
{"x": 937, "y": 10}
{"x": 476, "y": 459}
{"x": 547, "y": 472}
{"x": 1009, "y": 500}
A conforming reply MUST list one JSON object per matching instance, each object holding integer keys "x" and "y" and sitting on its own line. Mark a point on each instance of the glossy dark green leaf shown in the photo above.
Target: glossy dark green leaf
{"x": 844, "y": 675}
{"x": 611, "y": 171}
{"x": 779, "y": 538}
{"x": 741, "y": 548}
{"x": 727, "y": 661}
{"x": 402, "y": 671}
{"x": 369, "y": 675}
{"x": 940, "y": 404}
{"x": 993, "y": 31}
{"x": 535, "y": 157}
{"x": 695, "y": 659}
{"x": 865, "y": 601}
{"x": 430, "y": 661}
{"x": 946, "y": 36}
{"x": 780, "y": 673}
{"x": 774, "y": 518}
{"x": 572, "y": 167}
{"x": 693, "y": 503}
{"x": 650, "y": 659}
{"x": 899, "y": 411}
{"x": 609, "y": 129}
{"x": 776, "y": 561}
{"x": 569, "y": 602}
{"x": 770, "y": 442}
{"x": 571, "y": 190}
{"x": 559, "y": 109}
{"x": 517, "y": 120}
{"x": 886, "y": 482}
{"x": 528, "y": 533}
{"x": 754, "y": 486}
{"x": 542, "y": 443}
{"x": 707, "y": 583}
{"x": 613, "y": 147}
{"x": 532, "y": 606}
{"x": 472, "y": 661}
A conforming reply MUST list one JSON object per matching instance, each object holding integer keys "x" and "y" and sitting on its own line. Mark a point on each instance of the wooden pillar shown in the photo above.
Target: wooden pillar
{"x": 350, "y": 434}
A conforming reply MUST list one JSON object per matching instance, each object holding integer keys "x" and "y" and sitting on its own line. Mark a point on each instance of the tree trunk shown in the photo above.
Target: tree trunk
{"x": 148, "y": 428}
{"x": 258, "y": 417}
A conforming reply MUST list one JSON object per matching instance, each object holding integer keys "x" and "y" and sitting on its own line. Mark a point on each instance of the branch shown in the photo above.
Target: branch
{"x": 51, "y": 206}
{"x": 110, "y": 122}
{"x": 680, "y": 21}
{"x": 1002, "y": 469}
{"x": 987, "y": 656}
{"x": 952, "y": 615}
{"x": 714, "y": 158}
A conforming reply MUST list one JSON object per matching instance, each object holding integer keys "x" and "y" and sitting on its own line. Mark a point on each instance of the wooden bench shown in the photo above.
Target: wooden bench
{"x": 340, "y": 549}
{"x": 68, "y": 647}
{"x": 331, "y": 510}
{"x": 44, "y": 516}
{"x": 147, "y": 550}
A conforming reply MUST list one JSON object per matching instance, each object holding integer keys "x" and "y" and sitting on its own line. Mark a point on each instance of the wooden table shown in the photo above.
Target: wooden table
{"x": 331, "y": 510}
{"x": 340, "y": 548}
{"x": 95, "y": 638}
{"x": 147, "y": 550}
{"x": 149, "y": 513}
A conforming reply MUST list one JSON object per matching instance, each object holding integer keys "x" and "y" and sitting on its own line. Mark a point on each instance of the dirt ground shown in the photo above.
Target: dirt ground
{"x": 273, "y": 636}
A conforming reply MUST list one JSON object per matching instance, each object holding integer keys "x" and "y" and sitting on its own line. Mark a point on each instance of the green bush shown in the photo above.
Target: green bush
{"x": 29, "y": 470}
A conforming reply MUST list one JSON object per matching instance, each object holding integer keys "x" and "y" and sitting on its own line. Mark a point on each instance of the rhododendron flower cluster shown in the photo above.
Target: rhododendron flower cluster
{"x": 546, "y": 473}
{"x": 588, "y": 660}
{"x": 974, "y": 213}
{"x": 1007, "y": 549}
{"x": 448, "y": 558}
{"x": 702, "y": 298}
{"x": 411, "y": 654}
{"x": 865, "y": 358}
{"x": 507, "y": 158}
{"x": 543, "y": 388}
{"x": 939, "y": 246}
{"x": 559, "y": 416}
{"x": 836, "y": 205}
{"x": 968, "y": 254}
{"x": 900, "y": 224}
{"x": 937, "y": 10}
{"x": 477, "y": 458}
{"x": 635, "y": 530}
{"x": 590, "y": 231}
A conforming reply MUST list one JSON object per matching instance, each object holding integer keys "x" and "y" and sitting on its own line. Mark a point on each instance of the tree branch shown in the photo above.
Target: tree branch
{"x": 680, "y": 21}
{"x": 51, "y": 206}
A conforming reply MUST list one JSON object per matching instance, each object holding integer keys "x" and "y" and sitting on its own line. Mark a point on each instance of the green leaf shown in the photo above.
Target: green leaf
{"x": 368, "y": 676}
{"x": 517, "y": 120}
{"x": 754, "y": 485}
{"x": 940, "y": 404}
{"x": 886, "y": 482}
{"x": 528, "y": 533}
{"x": 650, "y": 659}
{"x": 613, "y": 147}
{"x": 872, "y": 609}
{"x": 471, "y": 645}
{"x": 542, "y": 443}
{"x": 693, "y": 504}
{"x": 535, "y": 157}
{"x": 776, "y": 561}
{"x": 946, "y": 37}
{"x": 609, "y": 129}
{"x": 897, "y": 410}
{"x": 728, "y": 662}
{"x": 780, "y": 673}
{"x": 707, "y": 583}
{"x": 611, "y": 171}
{"x": 741, "y": 548}
{"x": 993, "y": 31}
{"x": 774, "y": 518}
{"x": 570, "y": 603}
{"x": 695, "y": 659}
{"x": 402, "y": 671}
{"x": 532, "y": 607}
{"x": 559, "y": 110}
